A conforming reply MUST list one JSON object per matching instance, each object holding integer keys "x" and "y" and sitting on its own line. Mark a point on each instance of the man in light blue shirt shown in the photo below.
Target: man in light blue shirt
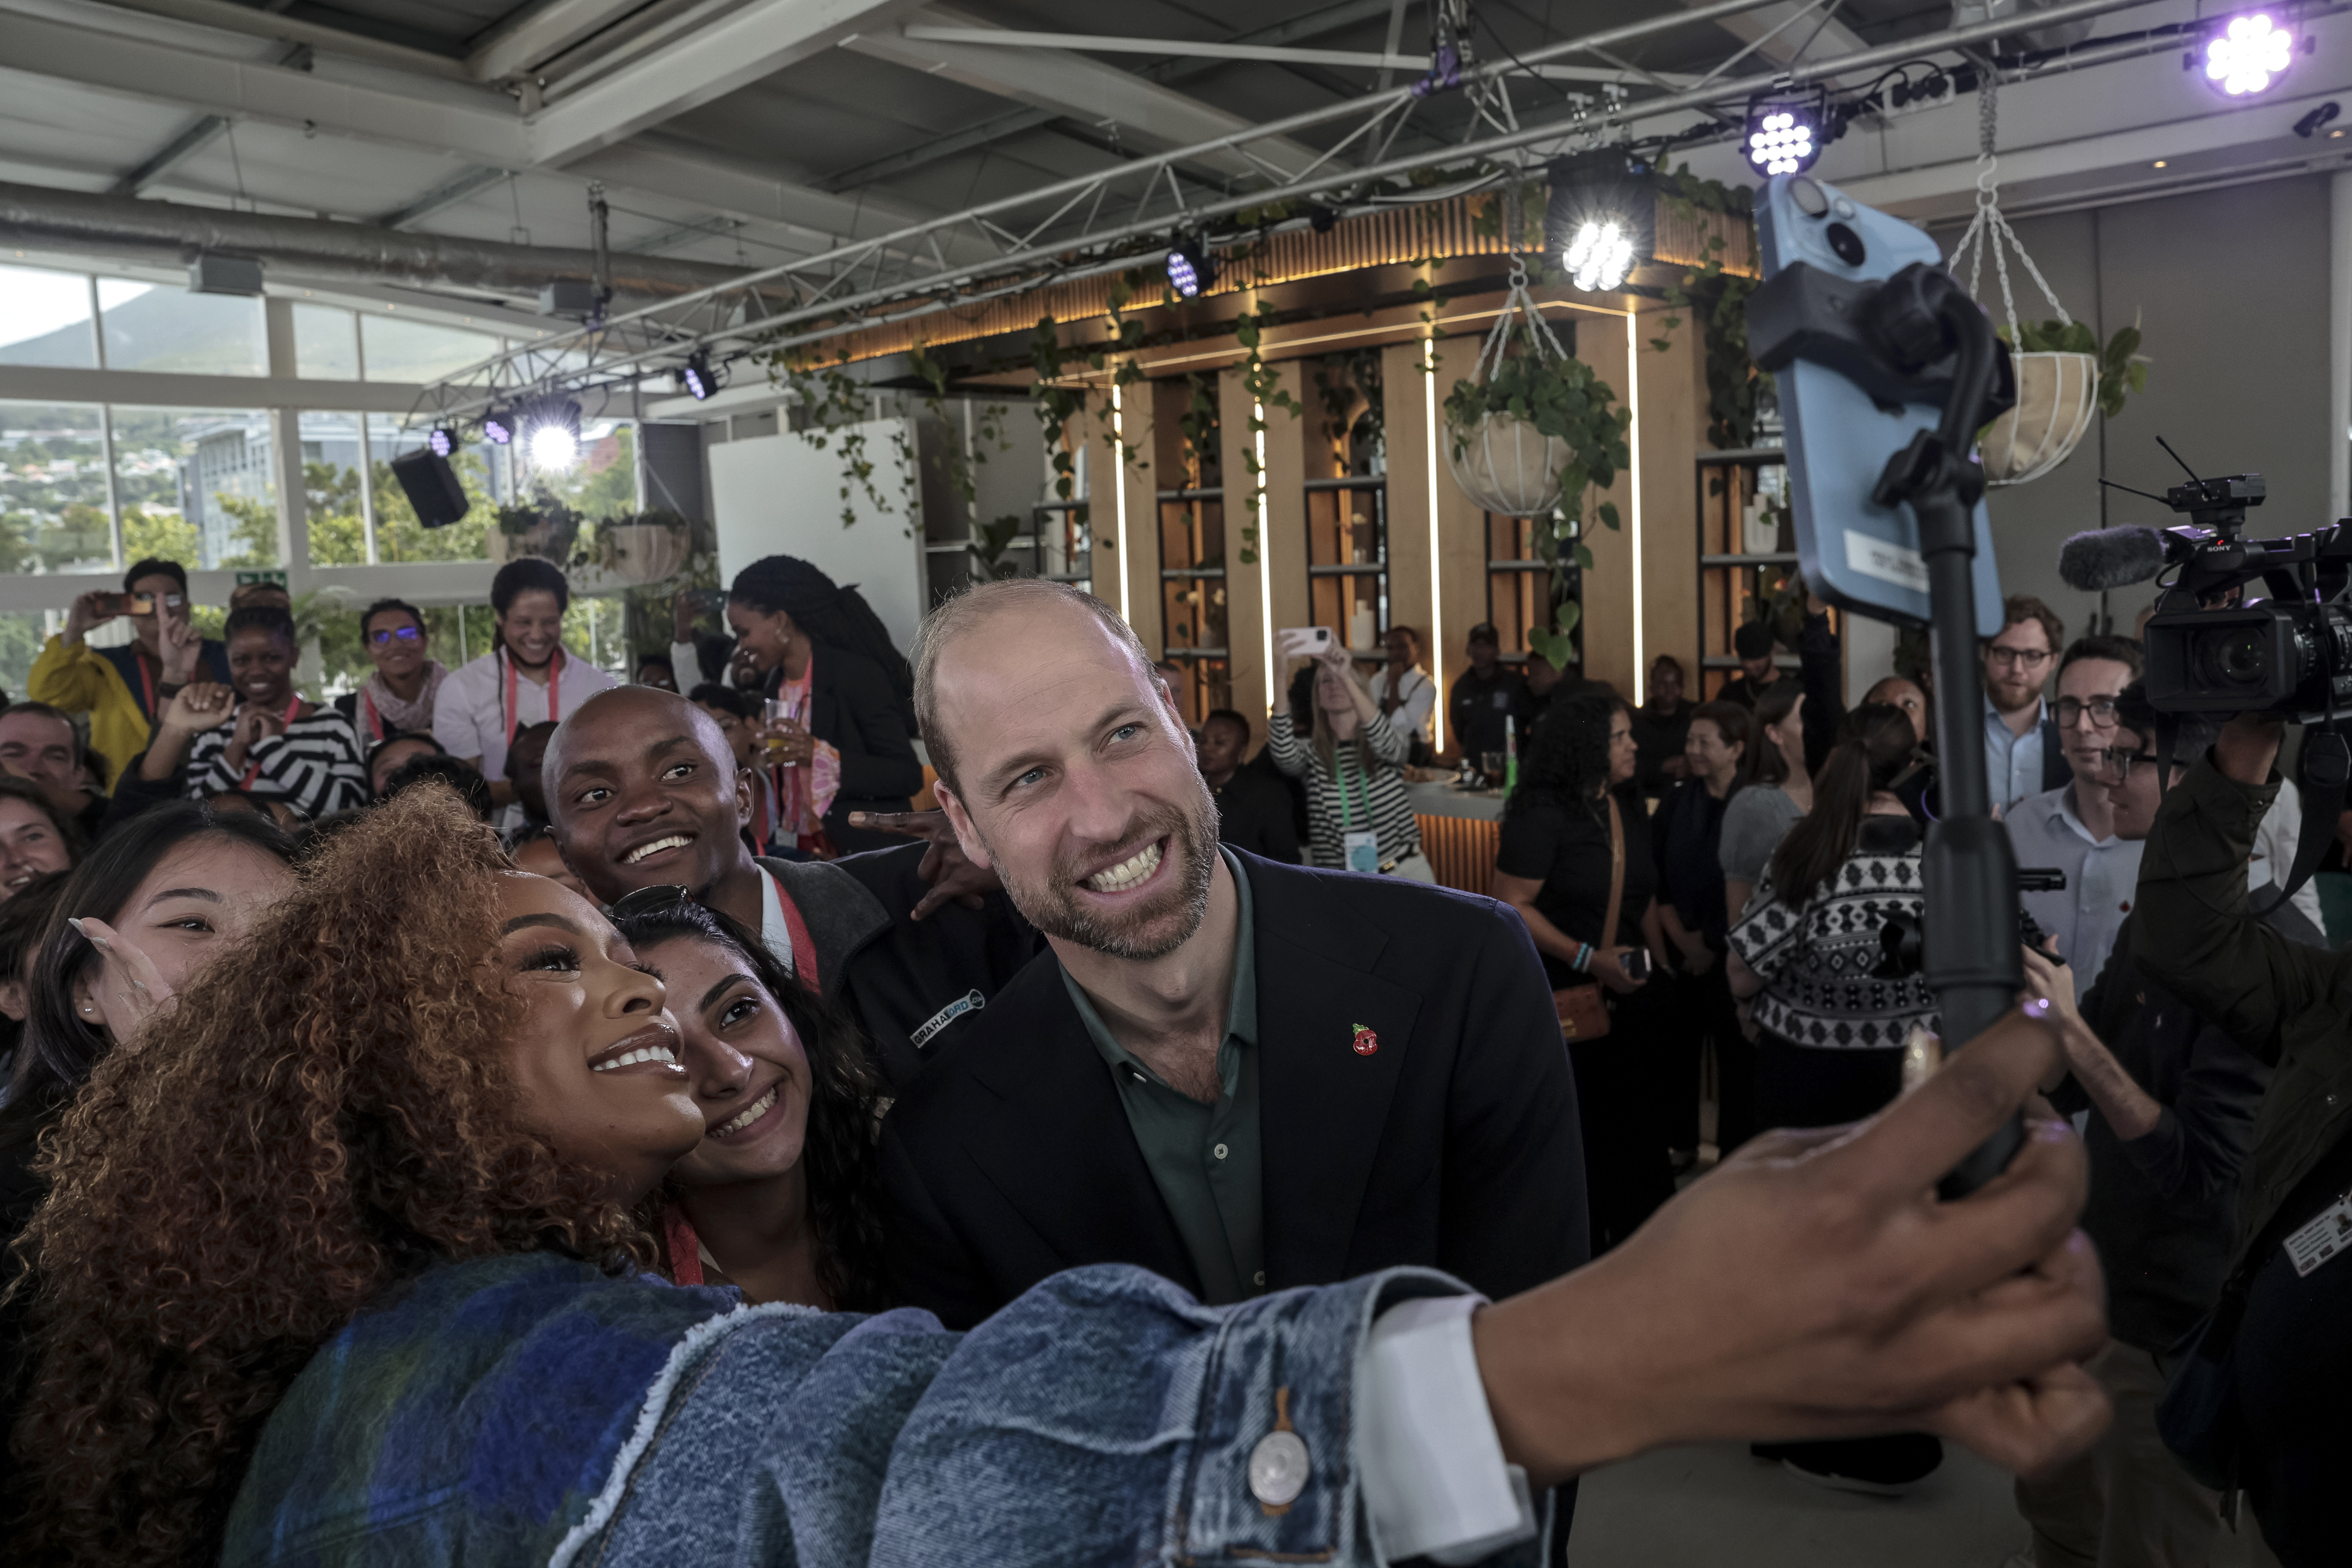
{"x": 2022, "y": 745}
{"x": 2072, "y": 829}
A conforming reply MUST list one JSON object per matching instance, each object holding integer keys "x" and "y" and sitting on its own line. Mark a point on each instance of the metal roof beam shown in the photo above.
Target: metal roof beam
{"x": 538, "y": 34}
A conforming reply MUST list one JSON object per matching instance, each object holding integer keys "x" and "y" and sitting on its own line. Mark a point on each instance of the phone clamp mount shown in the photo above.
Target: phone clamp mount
{"x": 1918, "y": 338}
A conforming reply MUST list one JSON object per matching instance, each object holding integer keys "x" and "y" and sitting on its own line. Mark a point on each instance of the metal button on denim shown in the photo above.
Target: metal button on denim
{"x": 1277, "y": 1468}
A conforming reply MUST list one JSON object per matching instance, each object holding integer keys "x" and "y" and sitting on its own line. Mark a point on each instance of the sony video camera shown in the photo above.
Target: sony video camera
{"x": 2289, "y": 653}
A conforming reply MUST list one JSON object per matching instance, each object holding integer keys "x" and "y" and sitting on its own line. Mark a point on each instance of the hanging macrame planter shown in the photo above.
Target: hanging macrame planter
{"x": 1502, "y": 462}
{"x": 2056, "y": 392}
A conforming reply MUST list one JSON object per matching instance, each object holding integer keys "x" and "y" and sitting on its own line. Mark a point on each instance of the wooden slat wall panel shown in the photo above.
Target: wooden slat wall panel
{"x": 1462, "y": 850}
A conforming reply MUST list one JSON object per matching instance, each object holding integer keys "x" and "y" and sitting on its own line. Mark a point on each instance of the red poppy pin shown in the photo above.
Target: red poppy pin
{"x": 1367, "y": 1042}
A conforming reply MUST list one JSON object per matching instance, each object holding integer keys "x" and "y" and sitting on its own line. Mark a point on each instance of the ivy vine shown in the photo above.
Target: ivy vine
{"x": 1718, "y": 300}
{"x": 1264, "y": 384}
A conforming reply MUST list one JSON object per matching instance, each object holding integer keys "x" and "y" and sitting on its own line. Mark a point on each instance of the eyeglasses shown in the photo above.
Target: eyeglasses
{"x": 385, "y": 634}
{"x": 650, "y": 901}
{"x": 2032, "y": 658}
{"x": 2120, "y": 763}
{"x": 2100, "y": 710}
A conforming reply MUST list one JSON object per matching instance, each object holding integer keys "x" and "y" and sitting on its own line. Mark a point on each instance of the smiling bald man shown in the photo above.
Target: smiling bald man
{"x": 1240, "y": 1075}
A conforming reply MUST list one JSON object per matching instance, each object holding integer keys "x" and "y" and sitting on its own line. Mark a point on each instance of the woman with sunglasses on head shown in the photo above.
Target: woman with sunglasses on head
{"x": 778, "y": 1198}
{"x": 399, "y": 695}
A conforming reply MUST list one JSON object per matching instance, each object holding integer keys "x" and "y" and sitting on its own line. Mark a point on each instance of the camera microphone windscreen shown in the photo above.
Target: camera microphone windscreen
{"x": 2106, "y": 558}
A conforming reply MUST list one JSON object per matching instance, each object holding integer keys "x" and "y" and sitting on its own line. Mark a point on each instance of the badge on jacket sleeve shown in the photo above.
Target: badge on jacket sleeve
{"x": 1366, "y": 1041}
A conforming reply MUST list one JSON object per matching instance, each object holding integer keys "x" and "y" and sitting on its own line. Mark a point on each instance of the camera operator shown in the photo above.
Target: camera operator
{"x": 2277, "y": 1331}
{"x": 2172, "y": 1101}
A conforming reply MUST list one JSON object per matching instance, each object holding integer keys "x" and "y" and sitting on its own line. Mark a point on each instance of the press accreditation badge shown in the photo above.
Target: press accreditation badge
{"x": 1361, "y": 851}
{"x": 2323, "y": 1238}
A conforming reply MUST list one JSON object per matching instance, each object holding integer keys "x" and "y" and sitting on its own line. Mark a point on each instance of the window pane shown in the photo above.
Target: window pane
{"x": 401, "y": 350}
{"x": 326, "y": 343}
{"x": 196, "y": 486}
{"x": 53, "y": 490}
{"x": 398, "y": 535}
{"x": 45, "y": 318}
{"x": 330, "y": 488}
{"x": 603, "y": 482}
{"x": 22, "y": 632}
{"x": 153, "y": 328}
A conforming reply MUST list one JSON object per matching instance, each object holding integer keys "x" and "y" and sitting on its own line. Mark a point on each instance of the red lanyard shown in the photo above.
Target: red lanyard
{"x": 146, "y": 682}
{"x": 804, "y": 949}
{"x": 254, "y": 770}
{"x": 375, "y": 724}
{"x": 685, "y": 1247}
{"x": 554, "y": 692}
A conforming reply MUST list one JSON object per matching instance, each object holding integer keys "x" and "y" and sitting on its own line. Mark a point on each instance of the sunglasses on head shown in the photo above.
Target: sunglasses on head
{"x": 382, "y": 635}
{"x": 650, "y": 901}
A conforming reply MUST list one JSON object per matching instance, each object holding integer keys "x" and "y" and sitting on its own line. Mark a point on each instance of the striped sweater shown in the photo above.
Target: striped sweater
{"x": 1381, "y": 795}
{"x": 316, "y": 767}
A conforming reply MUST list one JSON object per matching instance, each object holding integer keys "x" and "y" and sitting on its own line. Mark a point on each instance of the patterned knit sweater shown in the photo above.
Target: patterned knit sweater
{"x": 1815, "y": 959}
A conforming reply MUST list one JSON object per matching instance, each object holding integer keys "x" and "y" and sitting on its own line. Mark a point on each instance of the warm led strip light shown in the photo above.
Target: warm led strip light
{"x": 1634, "y": 467}
{"x": 1436, "y": 589}
{"x": 1118, "y": 491}
{"x": 1264, "y": 572}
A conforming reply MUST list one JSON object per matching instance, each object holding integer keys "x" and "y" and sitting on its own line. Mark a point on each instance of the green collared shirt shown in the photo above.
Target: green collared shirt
{"x": 1203, "y": 1158}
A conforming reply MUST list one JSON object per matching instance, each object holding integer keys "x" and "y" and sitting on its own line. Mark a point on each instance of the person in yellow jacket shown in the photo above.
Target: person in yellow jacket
{"x": 123, "y": 688}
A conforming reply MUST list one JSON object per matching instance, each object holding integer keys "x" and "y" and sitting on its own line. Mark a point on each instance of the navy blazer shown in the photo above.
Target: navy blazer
{"x": 1453, "y": 1144}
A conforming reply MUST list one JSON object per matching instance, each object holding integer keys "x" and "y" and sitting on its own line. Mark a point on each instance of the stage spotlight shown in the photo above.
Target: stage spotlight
{"x": 550, "y": 431}
{"x": 1602, "y": 218}
{"x": 497, "y": 426}
{"x": 1784, "y": 136}
{"x": 699, "y": 379}
{"x": 1190, "y": 267}
{"x": 2248, "y": 56}
{"x": 441, "y": 441}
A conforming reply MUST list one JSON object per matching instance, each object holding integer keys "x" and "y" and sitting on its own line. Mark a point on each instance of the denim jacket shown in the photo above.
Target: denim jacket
{"x": 527, "y": 1410}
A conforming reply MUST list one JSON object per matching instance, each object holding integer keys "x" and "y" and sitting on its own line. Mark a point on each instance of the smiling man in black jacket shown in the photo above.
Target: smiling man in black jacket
{"x": 1242, "y": 1076}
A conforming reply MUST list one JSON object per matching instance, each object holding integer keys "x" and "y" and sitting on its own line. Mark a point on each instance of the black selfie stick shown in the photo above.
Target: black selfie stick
{"x": 1920, "y": 316}
{"x": 1903, "y": 340}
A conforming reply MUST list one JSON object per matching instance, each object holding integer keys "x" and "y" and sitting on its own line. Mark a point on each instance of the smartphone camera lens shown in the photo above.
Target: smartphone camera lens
{"x": 1846, "y": 243}
{"x": 1809, "y": 196}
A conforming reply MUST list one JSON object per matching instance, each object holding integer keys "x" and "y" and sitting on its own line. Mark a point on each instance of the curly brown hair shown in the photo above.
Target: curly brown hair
{"x": 323, "y": 1115}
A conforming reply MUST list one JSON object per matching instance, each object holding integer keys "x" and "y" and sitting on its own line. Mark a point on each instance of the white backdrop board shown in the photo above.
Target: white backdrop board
{"x": 777, "y": 495}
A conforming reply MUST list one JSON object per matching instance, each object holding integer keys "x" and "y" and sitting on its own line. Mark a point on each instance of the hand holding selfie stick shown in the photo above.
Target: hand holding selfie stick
{"x": 1896, "y": 339}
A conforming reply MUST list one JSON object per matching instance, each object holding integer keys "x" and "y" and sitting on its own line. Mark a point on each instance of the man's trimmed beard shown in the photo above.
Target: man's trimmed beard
{"x": 1147, "y": 931}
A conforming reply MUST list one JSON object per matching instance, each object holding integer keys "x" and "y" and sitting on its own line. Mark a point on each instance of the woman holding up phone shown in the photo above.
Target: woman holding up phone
{"x": 1352, "y": 760}
{"x": 1575, "y": 861}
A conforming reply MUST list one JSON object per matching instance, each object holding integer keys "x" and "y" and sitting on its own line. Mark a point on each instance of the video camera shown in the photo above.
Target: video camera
{"x": 2288, "y": 654}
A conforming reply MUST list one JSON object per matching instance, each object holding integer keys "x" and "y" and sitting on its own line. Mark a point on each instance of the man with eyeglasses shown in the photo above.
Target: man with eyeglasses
{"x": 2071, "y": 828}
{"x": 2024, "y": 754}
{"x": 2170, "y": 1101}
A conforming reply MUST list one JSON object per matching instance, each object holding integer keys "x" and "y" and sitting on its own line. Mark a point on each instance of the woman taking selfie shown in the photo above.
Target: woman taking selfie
{"x": 778, "y": 1198}
{"x": 842, "y": 700}
{"x": 399, "y": 696}
{"x": 258, "y": 734}
{"x": 1575, "y": 861}
{"x": 528, "y": 676}
{"x": 1352, "y": 762}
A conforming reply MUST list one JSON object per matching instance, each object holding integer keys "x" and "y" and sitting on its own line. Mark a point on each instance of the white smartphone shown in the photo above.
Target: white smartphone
{"x": 1302, "y": 642}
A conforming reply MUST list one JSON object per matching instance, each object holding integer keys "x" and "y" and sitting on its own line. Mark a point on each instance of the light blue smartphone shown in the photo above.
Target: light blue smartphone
{"x": 1855, "y": 553}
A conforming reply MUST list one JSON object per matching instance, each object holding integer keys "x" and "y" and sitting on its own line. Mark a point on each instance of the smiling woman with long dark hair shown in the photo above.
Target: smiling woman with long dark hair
{"x": 778, "y": 1198}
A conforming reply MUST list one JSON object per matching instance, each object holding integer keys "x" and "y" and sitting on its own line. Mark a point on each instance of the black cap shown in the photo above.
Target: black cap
{"x": 1485, "y": 632}
{"x": 1752, "y": 640}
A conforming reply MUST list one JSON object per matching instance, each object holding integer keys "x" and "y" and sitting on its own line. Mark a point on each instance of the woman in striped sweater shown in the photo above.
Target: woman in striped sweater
{"x": 1352, "y": 759}
{"x": 258, "y": 734}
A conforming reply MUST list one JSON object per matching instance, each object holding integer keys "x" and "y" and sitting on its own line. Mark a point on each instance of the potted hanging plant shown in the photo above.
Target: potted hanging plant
{"x": 2063, "y": 377}
{"x": 1528, "y": 435}
{"x": 632, "y": 551}
{"x": 544, "y": 527}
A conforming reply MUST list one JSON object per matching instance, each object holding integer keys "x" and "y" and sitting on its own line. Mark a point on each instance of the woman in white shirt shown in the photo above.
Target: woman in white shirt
{"x": 527, "y": 677}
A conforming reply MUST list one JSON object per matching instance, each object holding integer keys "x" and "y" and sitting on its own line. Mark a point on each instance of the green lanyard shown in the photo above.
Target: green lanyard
{"x": 1346, "y": 764}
